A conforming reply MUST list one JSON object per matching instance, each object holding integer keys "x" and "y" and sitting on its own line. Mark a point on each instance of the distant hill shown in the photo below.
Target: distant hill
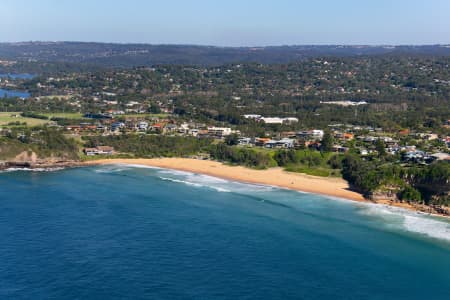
{"x": 129, "y": 55}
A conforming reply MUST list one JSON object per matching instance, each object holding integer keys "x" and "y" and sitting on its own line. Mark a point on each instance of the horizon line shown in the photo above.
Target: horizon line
{"x": 222, "y": 46}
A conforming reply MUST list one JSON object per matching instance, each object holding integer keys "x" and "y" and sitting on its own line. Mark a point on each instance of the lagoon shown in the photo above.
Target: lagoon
{"x": 13, "y": 94}
{"x": 17, "y": 76}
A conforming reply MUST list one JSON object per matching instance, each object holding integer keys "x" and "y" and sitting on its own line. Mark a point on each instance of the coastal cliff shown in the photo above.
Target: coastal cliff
{"x": 31, "y": 160}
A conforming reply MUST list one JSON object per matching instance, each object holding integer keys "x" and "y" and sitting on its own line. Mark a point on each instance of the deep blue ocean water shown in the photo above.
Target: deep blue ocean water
{"x": 121, "y": 232}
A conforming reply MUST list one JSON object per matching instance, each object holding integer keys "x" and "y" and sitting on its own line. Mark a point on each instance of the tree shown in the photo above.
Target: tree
{"x": 154, "y": 109}
{"x": 327, "y": 142}
{"x": 410, "y": 194}
{"x": 380, "y": 147}
{"x": 232, "y": 139}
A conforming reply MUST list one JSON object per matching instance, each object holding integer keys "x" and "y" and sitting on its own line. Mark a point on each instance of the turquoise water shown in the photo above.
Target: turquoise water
{"x": 122, "y": 232}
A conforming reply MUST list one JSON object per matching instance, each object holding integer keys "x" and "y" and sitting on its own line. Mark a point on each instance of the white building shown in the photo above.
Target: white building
{"x": 283, "y": 143}
{"x": 143, "y": 125}
{"x": 317, "y": 134}
{"x": 193, "y": 132}
{"x": 219, "y": 131}
{"x": 245, "y": 141}
{"x": 275, "y": 120}
{"x": 183, "y": 128}
{"x": 290, "y": 120}
{"x": 251, "y": 116}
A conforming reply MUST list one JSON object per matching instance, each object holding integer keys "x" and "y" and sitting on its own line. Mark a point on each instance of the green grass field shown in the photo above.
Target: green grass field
{"x": 63, "y": 115}
{"x": 314, "y": 171}
{"x": 8, "y": 117}
{"x": 161, "y": 116}
{"x": 80, "y": 115}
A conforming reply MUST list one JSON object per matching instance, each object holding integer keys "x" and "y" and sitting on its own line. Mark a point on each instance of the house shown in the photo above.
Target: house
{"x": 441, "y": 156}
{"x": 99, "y": 150}
{"x": 170, "y": 128}
{"x": 261, "y": 141}
{"x": 102, "y": 127}
{"x": 203, "y": 133}
{"x": 142, "y": 125}
{"x": 252, "y": 116}
{"x": 315, "y": 134}
{"x": 219, "y": 131}
{"x": 288, "y": 134}
{"x": 106, "y": 150}
{"x": 245, "y": 141}
{"x": 283, "y": 143}
{"x": 286, "y": 143}
{"x": 75, "y": 128}
{"x": 348, "y": 136}
{"x": 404, "y": 132}
{"x": 158, "y": 127}
{"x": 184, "y": 128}
{"x": 340, "y": 149}
{"x": 275, "y": 120}
{"x": 363, "y": 152}
{"x": 116, "y": 126}
{"x": 193, "y": 132}
{"x": 370, "y": 139}
{"x": 290, "y": 120}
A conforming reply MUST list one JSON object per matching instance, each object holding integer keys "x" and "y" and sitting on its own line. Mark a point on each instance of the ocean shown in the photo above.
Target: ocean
{"x": 129, "y": 232}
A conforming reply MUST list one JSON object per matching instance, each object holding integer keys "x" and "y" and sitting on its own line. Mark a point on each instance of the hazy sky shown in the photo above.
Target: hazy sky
{"x": 228, "y": 22}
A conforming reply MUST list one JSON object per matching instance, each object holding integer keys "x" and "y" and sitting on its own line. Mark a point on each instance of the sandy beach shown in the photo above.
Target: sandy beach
{"x": 335, "y": 187}
{"x": 328, "y": 186}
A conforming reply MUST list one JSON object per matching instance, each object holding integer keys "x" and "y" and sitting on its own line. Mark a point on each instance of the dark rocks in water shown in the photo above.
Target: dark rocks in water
{"x": 41, "y": 165}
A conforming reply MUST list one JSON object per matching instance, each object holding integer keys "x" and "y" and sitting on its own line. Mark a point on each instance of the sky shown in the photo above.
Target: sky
{"x": 228, "y": 22}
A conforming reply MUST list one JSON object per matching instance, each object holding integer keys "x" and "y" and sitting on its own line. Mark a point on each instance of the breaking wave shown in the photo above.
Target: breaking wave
{"x": 394, "y": 218}
{"x": 218, "y": 184}
{"x": 31, "y": 170}
{"x": 405, "y": 220}
{"x": 219, "y": 189}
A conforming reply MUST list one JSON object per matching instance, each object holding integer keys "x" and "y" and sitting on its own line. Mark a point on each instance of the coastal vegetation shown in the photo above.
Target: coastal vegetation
{"x": 427, "y": 184}
{"x": 45, "y": 142}
{"x": 384, "y": 119}
{"x": 418, "y": 100}
{"x": 151, "y": 145}
{"x": 242, "y": 156}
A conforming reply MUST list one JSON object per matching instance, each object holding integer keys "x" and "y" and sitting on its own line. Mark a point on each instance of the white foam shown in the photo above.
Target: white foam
{"x": 428, "y": 226}
{"x": 218, "y": 184}
{"x": 394, "y": 218}
{"x": 196, "y": 184}
{"x": 110, "y": 170}
{"x": 138, "y": 166}
{"x": 175, "y": 172}
{"x": 181, "y": 181}
{"x": 32, "y": 169}
{"x": 403, "y": 219}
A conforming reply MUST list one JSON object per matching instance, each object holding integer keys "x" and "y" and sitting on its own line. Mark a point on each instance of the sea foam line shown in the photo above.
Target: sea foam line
{"x": 406, "y": 220}
{"x": 219, "y": 189}
{"x": 396, "y": 217}
{"x": 32, "y": 169}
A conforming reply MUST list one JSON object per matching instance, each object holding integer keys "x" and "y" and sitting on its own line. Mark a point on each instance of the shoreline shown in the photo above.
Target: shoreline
{"x": 276, "y": 177}
{"x": 334, "y": 187}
